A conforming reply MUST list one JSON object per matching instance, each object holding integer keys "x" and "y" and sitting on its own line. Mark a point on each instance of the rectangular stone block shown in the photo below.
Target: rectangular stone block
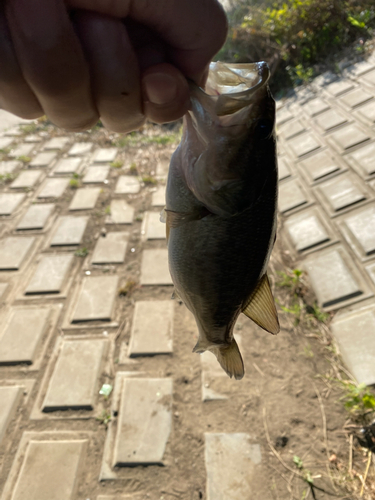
{"x": 363, "y": 160}
{"x": 341, "y": 192}
{"x": 292, "y": 129}
{"x": 36, "y": 217}
{"x": 306, "y": 230}
{"x": 26, "y": 179}
{"x": 13, "y": 251}
{"x": 361, "y": 68}
{"x": 74, "y": 382}
{"x": 69, "y": 231}
{"x": 370, "y": 77}
{"x": 96, "y": 175}
{"x": 84, "y": 199}
{"x": 3, "y": 289}
{"x": 162, "y": 167}
{"x": 283, "y": 168}
{"x": 9, "y": 202}
{"x": 340, "y": 87}
{"x": 361, "y": 226}
{"x": 144, "y": 422}
{"x": 303, "y": 144}
{"x": 56, "y": 143}
{"x": 291, "y": 196}
{"x": 331, "y": 278}
{"x": 110, "y": 249}
{"x": 283, "y": 115}
{"x": 158, "y": 197}
{"x": 330, "y": 119}
{"x": 348, "y": 137}
{"x": 316, "y": 106}
{"x": 367, "y": 113}
{"x": 22, "y": 335}
{"x": 50, "y": 274}
{"x": 22, "y": 150}
{"x": 121, "y": 213}
{"x": 231, "y": 464}
{"x": 53, "y": 188}
{"x": 320, "y": 165}
{"x": 152, "y": 329}
{"x": 355, "y": 335}
{"x": 356, "y": 98}
{"x": 152, "y": 227}
{"x": 43, "y": 159}
{"x": 5, "y": 142}
{"x": 80, "y": 148}
{"x": 50, "y": 470}
{"x": 8, "y": 167}
{"x": 127, "y": 184}
{"x": 96, "y": 299}
{"x": 67, "y": 166}
{"x": 154, "y": 268}
{"x": 33, "y": 138}
{"x": 104, "y": 155}
{"x": 10, "y": 398}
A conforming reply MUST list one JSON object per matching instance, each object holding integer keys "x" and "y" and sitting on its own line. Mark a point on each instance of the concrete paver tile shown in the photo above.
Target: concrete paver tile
{"x": 127, "y": 184}
{"x": 21, "y": 150}
{"x": 291, "y": 195}
{"x": 96, "y": 175}
{"x": 33, "y": 138}
{"x": 68, "y": 166}
{"x": 7, "y": 167}
{"x": 303, "y": 144}
{"x": 13, "y": 251}
{"x": 340, "y": 192}
{"x": 36, "y": 217}
{"x": 9, "y": 202}
{"x": 283, "y": 115}
{"x": 329, "y": 120}
{"x": 3, "y": 289}
{"x": 69, "y": 231}
{"x": 360, "y": 231}
{"x": 283, "y": 168}
{"x": 50, "y": 274}
{"x": 306, "y": 230}
{"x": 320, "y": 165}
{"x": 154, "y": 268}
{"x": 369, "y": 77}
{"x": 363, "y": 160}
{"x": 292, "y": 128}
{"x": 152, "y": 227}
{"x": 121, "y": 213}
{"x": 104, "y": 155}
{"x": 316, "y": 106}
{"x": 53, "y": 188}
{"x": 74, "y": 382}
{"x": 231, "y": 465}
{"x": 84, "y": 199}
{"x": 356, "y": 97}
{"x": 152, "y": 328}
{"x": 110, "y": 249}
{"x": 5, "y": 142}
{"x": 96, "y": 299}
{"x": 144, "y": 422}
{"x": 80, "y": 148}
{"x": 10, "y": 398}
{"x": 43, "y": 159}
{"x": 367, "y": 114}
{"x": 340, "y": 87}
{"x": 158, "y": 197}
{"x": 56, "y": 143}
{"x": 26, "y": 179}
{"x": 348, "y": 137}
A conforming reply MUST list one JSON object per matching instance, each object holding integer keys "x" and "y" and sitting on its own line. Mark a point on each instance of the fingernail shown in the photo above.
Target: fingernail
{"x": 159, "y": 88}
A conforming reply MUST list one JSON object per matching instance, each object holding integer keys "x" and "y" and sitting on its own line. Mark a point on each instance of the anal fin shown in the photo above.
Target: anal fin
{"x": 230, "y": 360}
{"x": 261, "y": 307}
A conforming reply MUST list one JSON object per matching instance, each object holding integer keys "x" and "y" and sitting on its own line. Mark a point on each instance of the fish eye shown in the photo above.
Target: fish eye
{"x": 264, "y": 128}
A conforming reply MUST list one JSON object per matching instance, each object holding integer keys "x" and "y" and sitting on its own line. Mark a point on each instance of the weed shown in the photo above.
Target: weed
{"x": 116, "y": 164}
{"x": 30, "y": 128}
{"x": 306, "y": 473}
{"x": 5, "y": 151}
{"x": 290, "y": 280}
{"x": 8, "y": 177}
{"x": 307, "y": 351}
{"x": 133, "y": 169}
{"x": 76, "y": 176}
{"x": 296, "y": 309}
{"x": 149, "y": 180}
{"x": 104, "y": 418}
{"x": 127, "y": 289}
{"x": 81, "y": 252}
{"x": 74, "y": 183}
{"x": 24, "y": 159}
{"x": 107, "y": 210}
{"x": 358, "y": 399}
{"x": 316, "y": 312}
{"x": 139, "y": 218}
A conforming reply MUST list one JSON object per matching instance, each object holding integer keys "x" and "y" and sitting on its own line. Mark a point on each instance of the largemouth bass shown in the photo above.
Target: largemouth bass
{"x": 220, "y": 210}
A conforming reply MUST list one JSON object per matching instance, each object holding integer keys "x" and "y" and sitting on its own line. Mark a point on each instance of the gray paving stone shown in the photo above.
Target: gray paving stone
{"x": 74, "y": 382}
{"x": 356, "y": 98}
{"x": 96, "y": 174}
{"x": 367, "y": 113}
{"x": 13, "y": 251}
{"x": 283, "y": 168}
{"x": 283, "y": 115}
{"x": 104, "y": 155}
{"x": 341, "y": 192}
{"x": 22, "y": 335}
{"x": 348, "y": 137}
{"x": 330, "y": 119}
{"x": 361, "y": 68}
{"x": 144, "y": 422}
{"x": 162, "y": 167}
{"x": 320, "y": 165}
{"x": 158, "y": 197}
{"x": 331, "y": 278}
{"x": 96, "y": 299}
{"x": 292, "y": 129}
{"x": 152, "y": 329}
{"x": 363, "y": 160}
{"x": 153, "y": 228}
{"x": 306, "y": 230}
{"x": 362, "y": 227}
{"x": 43, "y": 159}
{"x": 22, "y": 150}
{"x": 10, "y": 398}
{"x": 26, "y": 179}
{"x": 355, "y": 335}
{"x": 154, "y": 268}
{"x": 231, "y": 465}
{"x": 5, "y": 142}
{"x": 53, "y": 188}
{"x": 84, "y": 199}
{"x": 7, "y": 167}
{"x": 303, "y": 144}
{"x": 33, "y": 138}
{"x": 371, "y": 271}
{"x": 80, "y": 148}
{"x": 316, "y": 106}
{"x": 338, "y": 88}
{"x": 3, "y": 289}
{"x": 36, "y": 217}
{"x": 50, "y": 470}
{"x": 50, "y": 274}
{"x": 67, "y": 166}
{"x": 369, "y": 77}
{"x": 291, "y": 196}
{"x": 69, "y": 231}
{"x": 110, "y": 249}
{"x": 127, "y": 184}
{"x": 121, "y": 213}
{"x": 56, "y": 143}
{"x": 9, "y": 202}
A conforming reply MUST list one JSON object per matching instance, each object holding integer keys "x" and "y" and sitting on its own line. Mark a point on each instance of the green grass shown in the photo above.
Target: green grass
{"x": 149, "y": 180}
{"x": 116, "y": 164}
{"x": 9, "y": 177}
{"x": 74, "y": 183}
{"x": 358, "y": 398}
{"x": 81, "y": 252}
{"x": 24, "y": 159}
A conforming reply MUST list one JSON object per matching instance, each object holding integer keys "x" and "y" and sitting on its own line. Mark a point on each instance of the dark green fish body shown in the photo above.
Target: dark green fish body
{"x": 221, "y": 211}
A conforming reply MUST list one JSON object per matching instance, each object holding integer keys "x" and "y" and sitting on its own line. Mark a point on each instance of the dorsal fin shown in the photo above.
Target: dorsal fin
{"x": 261, "y": 307}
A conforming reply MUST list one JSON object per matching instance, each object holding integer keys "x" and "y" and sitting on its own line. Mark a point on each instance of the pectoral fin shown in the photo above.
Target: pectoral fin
{"x": 261, "y": 307}
{"x": 230, "y": 360}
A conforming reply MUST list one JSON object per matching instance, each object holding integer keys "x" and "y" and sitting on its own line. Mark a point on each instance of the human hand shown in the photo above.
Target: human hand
{"x": 120, "y": 60}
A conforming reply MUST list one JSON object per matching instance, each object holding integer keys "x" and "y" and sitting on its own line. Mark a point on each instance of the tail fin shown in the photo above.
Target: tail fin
{"x": 230, "y": 360}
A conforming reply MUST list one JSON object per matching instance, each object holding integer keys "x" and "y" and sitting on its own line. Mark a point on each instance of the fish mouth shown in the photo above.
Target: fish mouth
{"x": 232, "y": 87}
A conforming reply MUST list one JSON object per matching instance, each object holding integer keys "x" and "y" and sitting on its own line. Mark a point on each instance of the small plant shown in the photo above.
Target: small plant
{"x": 8, "y": 177}
{"x": 133, "y": 169}
{"x": 316, "y": 312}
{"x": 104, "y": 418}
{"x": 24, "y": 159}
{"x": 358, "y": 399}
{"x": 149, "y": 180}
{"x": 307, "y": 351}
{"x": 127, "y": 289}
{"x": 4, "y": 151}
{"x": 81, "y": 252}
{"x": 139, "y": 218}
{"x": 116, "y": 164}
{"x": 74, "y": 183}
{"x": 30, "y": 128}
{"x": 291, "y": 279}
{"x": 296, "y": 309}
{"x": 306, "y": 473}
{"x": 107, "y": 210}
